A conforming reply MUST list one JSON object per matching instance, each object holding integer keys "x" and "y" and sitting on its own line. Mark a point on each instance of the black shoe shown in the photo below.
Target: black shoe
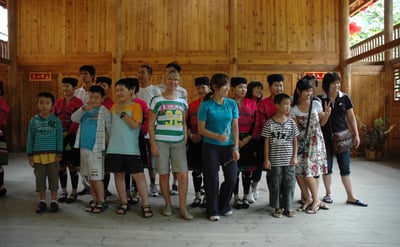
{"x": 3, "y": 192}
{"x": 53, "y": 207}
{"x": 41, "y": 207}
{"x": 108, "y": 193}
{"x": 85, "y": 191}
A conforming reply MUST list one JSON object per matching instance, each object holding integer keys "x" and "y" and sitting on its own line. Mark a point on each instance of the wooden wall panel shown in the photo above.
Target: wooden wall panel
{"x": 176, "y": 26}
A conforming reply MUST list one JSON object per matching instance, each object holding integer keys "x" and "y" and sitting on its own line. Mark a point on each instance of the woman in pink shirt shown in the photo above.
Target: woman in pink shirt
{"x": 4, "y": 110}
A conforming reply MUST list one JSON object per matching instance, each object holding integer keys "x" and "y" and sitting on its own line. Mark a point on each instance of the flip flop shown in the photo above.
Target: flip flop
{"x": 358, "y": 202}
{"x": 323, "y": 206}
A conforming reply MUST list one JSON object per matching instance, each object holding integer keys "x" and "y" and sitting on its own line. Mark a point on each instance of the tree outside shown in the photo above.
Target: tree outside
{"x": 370, "y": 21}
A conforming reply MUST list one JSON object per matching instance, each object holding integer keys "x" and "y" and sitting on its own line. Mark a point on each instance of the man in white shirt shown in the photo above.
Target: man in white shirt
{"x": 146, "y": 92}
{"x": 87, "y": 73}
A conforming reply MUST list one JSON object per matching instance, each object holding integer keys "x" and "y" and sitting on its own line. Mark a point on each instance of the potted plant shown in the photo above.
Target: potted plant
{"x": 374, "y": 138}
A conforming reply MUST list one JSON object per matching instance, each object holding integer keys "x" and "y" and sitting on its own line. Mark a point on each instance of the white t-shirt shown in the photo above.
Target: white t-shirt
{"x": 147, "y": 93}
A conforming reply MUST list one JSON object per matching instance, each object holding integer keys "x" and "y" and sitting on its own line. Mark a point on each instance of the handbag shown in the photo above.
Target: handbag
{"x": 3, "y": 149}
{"x": 303, "y": 144}
{"x": 342, "y": 141}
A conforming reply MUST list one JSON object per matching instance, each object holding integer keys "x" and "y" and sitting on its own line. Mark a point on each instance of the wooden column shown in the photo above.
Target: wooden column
{"x": 14, "y": 89}
{"x": 233, "y": 43}
{"x": 344, "y": 47}
{"x": 117, "y": 54}
{"x": 387, "y": 88}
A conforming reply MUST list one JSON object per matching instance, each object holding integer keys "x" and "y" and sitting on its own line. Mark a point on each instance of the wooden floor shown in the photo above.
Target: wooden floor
{"x": 342, "y": 225}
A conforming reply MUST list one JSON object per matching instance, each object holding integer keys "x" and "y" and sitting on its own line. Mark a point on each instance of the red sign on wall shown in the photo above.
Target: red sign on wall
{"x": 40, "y": 76}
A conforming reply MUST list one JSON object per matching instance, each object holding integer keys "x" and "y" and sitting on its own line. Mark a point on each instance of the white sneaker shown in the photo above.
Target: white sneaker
{"x": 256, "y": 194}
{"x": 153, "y": 190}
{"x": 214, "y": 218}
{"x": 250, "y": 197}
{"x": 229, "y": 213}
{"x": 174, "y": 190}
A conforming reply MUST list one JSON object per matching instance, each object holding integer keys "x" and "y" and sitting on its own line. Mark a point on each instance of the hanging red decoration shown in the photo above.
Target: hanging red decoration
{"x": 354, "y": 28}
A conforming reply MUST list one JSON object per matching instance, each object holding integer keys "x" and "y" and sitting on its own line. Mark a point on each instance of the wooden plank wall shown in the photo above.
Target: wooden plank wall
{"x": 251, "y": 38}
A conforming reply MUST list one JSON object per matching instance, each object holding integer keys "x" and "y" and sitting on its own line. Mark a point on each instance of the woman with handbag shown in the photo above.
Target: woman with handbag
{"x": 312, "y": 162}
{"x": 4, "y": 110}
{"x": 337, "y": 129}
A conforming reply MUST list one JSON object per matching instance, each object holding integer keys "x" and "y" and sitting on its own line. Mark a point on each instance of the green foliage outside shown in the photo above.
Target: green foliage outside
{"x": 372, "y": 22}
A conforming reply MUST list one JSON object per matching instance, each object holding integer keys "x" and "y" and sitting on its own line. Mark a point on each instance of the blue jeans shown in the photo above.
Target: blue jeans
{"x": 218, "y": 198}
{"x": 343, "y": 160}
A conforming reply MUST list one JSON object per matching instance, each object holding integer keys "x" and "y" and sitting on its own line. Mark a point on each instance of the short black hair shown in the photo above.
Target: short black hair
{"x": 129, "y": 83}
{"x": 148, "y": 68}
{"x": 174, "y": 65}
{"x": 97, "y": 89}
{"x": 328, "y": 79}
{"x": 104, "y": 79}
{"x": 253, "y": 84}
{"x": 88, "y": 68}
{"x": 70, "y": 80}
{"x": 280, "y": 97}
{"x": 45, "y": 95}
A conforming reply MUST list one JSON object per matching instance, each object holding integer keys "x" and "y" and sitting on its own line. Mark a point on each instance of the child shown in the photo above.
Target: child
{"x": 105, "y": 83}
{"x": 167, "y": 129}
{"x": 280, "y": 156}
{"x": 44, "y": 149}
{"x": 92, "y": 133}
{"x": 63, "y": 109}
{"x": 123, "y": 153}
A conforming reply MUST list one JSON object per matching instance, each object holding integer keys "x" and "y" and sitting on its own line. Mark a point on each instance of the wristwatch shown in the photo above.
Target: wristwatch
{"x": 122, "y": 115}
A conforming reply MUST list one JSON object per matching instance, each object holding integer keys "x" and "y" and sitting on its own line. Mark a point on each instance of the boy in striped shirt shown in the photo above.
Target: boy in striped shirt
{"x": 44, "y": 149}
{"x": 280, "y": 156}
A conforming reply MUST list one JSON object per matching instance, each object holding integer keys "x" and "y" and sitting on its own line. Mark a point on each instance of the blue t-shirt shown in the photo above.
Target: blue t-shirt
{"x": 218, "y": 119}
{"x": 89, "y": 127}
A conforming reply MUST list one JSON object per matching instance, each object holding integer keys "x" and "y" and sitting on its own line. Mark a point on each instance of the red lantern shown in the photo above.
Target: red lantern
{"x": 354, "y": 28}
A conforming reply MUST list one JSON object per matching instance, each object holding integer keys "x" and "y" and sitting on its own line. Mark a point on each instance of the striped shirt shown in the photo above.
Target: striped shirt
{"x": 280, "y": 137}
{"x": 169, "y": 118}
{"x": 45, "y": 135}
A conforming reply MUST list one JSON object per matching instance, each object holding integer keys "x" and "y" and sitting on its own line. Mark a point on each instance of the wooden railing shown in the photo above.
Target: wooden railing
{"x": 4, "y": 53}
{"x": 374, "y": 42}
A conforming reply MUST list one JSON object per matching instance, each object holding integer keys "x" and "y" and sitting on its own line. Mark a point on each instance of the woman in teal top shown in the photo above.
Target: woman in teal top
{"x": 218, "y": 124}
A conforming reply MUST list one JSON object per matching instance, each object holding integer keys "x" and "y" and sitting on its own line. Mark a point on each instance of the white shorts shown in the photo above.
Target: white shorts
{"x": 92, "y": 164}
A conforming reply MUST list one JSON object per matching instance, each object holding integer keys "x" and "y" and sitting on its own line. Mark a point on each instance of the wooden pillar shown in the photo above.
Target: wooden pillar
{"x": 14, "y": 94}
{"x": 387, "y": 88}
{"x": 233, "y": 43}
{"x": 344, "y": 45}
{"x": 118, "y": 49}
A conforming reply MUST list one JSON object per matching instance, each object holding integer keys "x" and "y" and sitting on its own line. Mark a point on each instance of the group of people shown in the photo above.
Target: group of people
{"x": 230, "y": 126}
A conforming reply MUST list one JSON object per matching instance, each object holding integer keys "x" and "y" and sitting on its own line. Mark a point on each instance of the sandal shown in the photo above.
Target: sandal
{"x": 290, "y": 213}
{"x": 238, "y": 204}
{"x": 63, "y": 197}
{"x": 304, "y": 207}
{"x": 146, "y": 211}
{"x": 328, "y": 199}
{"x": 277, "y": 213}
{"x": 133, "y": 200}
{"x": 72, "y": 198}
{"x": 99, "y": 208}
{"x": 91, "y": 206}
{"x": 312, "y": 210}
{"x": 122, "y": 209}
{"x": 196, "y": 202}
{"x": 246, "y": 204}
{"x": 322, "y": 205}
{"x": 358, "y": 202}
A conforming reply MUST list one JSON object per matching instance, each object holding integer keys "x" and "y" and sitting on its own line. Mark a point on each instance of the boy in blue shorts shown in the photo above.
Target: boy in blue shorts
{"x": 91, "y": 138}
{"x": 44, "y": 149}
